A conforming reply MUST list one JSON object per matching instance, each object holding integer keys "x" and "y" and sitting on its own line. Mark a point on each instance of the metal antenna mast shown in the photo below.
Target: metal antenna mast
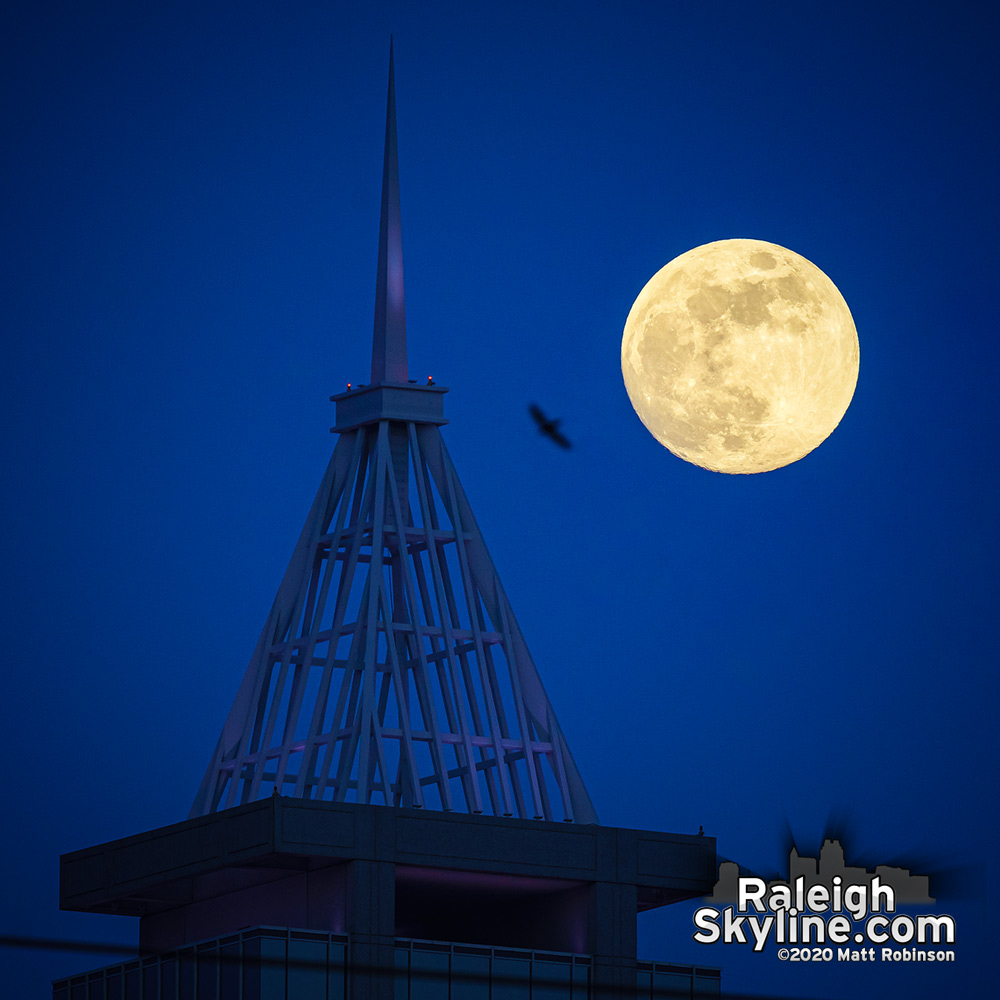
{"x": 389, "y": 341}
{"x": 391, "y": 669}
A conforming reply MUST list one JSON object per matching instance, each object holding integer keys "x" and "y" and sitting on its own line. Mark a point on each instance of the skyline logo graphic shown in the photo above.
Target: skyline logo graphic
{"x": 827, "y": 910}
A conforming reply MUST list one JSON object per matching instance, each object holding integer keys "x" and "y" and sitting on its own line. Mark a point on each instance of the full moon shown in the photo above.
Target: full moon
{"x": 740, "y": 356}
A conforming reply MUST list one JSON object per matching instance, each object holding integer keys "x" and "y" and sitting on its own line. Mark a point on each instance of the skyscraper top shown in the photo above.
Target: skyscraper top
{"x": 391, "y": 669}
{"x": 389, "y": 340}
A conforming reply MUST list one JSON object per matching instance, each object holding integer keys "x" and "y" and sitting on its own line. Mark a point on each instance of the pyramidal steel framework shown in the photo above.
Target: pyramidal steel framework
{"x": 391, "y": 669}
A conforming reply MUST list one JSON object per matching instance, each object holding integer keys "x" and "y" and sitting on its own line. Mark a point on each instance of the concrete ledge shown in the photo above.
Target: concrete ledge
{"x": 270, "y": 839}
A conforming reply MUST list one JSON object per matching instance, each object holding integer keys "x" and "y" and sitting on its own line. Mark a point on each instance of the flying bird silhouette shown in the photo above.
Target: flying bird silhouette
{"x": 550, "y": 428}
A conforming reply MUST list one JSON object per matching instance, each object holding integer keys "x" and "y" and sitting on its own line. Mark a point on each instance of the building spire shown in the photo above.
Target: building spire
{"x": 389, "y": 341}
{"x": 391, "y": 669}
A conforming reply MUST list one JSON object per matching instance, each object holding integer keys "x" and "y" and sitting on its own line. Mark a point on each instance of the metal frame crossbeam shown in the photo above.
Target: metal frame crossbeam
{"x": 391, "y": 668}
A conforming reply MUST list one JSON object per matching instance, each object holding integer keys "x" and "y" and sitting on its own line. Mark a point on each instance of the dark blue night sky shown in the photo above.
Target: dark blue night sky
{"x": 190, "y": 212}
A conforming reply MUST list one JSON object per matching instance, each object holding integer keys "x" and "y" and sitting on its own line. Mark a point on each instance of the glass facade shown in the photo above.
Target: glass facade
{"x": 269, "y": 963}
{"x": 661, "y": 980}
